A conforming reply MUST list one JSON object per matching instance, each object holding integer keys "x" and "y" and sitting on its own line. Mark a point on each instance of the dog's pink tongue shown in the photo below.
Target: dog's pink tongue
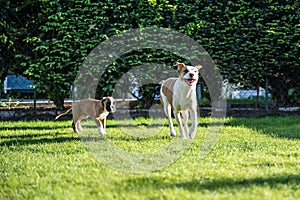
{"x": 191, "y": 81}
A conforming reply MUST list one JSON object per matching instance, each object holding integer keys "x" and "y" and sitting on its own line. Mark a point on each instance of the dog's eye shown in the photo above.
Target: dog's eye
{"x": 186, "y": 71}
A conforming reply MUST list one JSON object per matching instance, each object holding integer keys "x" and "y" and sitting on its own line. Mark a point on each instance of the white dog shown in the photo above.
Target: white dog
{"x": 179, "y": 95}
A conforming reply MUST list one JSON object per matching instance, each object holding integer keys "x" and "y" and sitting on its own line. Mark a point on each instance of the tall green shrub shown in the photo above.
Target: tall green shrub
{"x": 249, "y": 40}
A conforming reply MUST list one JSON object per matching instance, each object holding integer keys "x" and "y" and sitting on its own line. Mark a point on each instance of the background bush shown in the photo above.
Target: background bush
{"x": 47, "y": 41}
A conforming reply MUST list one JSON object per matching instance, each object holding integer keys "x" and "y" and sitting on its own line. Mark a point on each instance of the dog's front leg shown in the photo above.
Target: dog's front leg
{"x": 185, "y": 117}
{"x": 180, "y": 126}
{"x": 100, "y": 126}
{"x": 193, "y": 128}
{"x": 103, "y": 124}
{"x": 168, "y": 110}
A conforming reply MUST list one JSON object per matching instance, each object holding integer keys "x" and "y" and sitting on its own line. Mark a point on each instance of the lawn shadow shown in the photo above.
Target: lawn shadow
{"x": 272, "y": 182}
{"x": 213, "y": 185}
{"x": 22, "y": 127}
{"x": 37, "y": 138}
{"x": 33, "y": 141}
{"x": 281, "y": 127}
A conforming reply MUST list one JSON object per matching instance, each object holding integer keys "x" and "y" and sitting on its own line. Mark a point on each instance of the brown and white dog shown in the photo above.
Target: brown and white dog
{"x": 96, "y": 109}
{"x": 179, "y": 95}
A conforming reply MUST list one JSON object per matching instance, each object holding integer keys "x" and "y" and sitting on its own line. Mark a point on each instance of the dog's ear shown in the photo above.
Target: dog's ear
{"x": 198, "y": 67}
{"x": 179, "y": 65}
{"x": 103, "y": 100}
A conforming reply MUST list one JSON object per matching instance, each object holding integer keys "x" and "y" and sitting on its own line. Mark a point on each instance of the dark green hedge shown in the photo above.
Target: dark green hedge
{"x": 249, "y": 40}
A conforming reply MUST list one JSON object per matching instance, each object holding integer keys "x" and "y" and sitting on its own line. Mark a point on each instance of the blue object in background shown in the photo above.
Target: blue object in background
{"x": 18, "y": 83}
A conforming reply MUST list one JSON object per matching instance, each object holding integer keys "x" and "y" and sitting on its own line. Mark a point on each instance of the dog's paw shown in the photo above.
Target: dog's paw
{"x": 172, "y": 133}
{"x": 192, "y": 135}
{"x": 101, "y": 131}
{"x": 183, "y": 137}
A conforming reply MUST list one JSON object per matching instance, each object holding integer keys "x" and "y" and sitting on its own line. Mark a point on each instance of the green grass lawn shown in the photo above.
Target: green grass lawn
{"x": 252, "y": 159}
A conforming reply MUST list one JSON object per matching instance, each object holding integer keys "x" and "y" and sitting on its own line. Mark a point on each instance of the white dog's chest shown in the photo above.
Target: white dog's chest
{"x": 184, "y": 99}
{"x": 104, "y": 115}
{"x": 186, "y": 104}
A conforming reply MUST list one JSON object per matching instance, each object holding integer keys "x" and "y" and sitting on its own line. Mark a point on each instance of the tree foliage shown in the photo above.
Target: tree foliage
{"x": 48, "y": 40}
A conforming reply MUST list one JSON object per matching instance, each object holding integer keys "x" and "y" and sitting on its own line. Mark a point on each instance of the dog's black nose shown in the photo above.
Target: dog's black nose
{"x": 192, "y": 75}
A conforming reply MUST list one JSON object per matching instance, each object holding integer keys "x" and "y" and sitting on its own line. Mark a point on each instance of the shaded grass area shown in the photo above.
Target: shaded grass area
{"x": 252, "y": 159}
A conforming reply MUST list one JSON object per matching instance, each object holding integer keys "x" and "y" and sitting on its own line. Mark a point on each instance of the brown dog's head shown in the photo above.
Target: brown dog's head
{"x": 108, "y": 104}
{"x": 188, "y": 74}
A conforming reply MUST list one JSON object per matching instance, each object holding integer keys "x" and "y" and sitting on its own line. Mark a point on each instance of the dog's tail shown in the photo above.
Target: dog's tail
{"x": 58, "y": 116}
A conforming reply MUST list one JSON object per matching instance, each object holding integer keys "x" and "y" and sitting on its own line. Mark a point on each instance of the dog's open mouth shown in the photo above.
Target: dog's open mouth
{"x": 190, "y": 81}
